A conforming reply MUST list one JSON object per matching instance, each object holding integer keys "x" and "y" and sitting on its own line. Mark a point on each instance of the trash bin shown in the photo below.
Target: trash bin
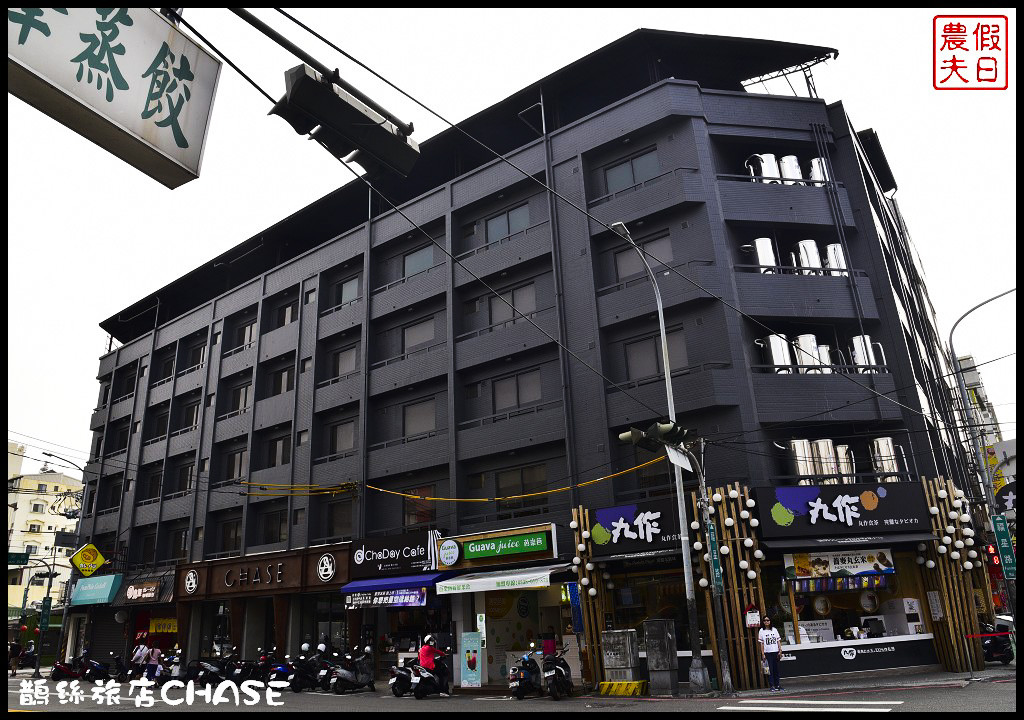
{"x": 662, "y": 662}
{"x": 621, "y": 651}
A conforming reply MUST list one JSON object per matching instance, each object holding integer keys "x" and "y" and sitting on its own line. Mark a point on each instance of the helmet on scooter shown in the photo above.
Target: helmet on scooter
{"x": 321, "y": 647}
{"x": 305, "y": 647}
{"x": 430, "y": 640}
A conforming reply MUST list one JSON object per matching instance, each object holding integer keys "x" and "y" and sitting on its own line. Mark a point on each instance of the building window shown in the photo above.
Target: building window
{"x": 195, "y": 356}
{"x": 210, "y": 399}
{"x": 240, "y": 397}
{"x": 643, "y": 358}
{"x": 216, "y": 340}
{"x": 517, "y": 391}
{"x": 31, "y": 549}
{"x": 147, "y": 552}
{"x": 632, "y": 172}
{"x": 165, "y": 368}
{"x": 282, "y": 381}
{"x": 179, "y": 544}
{"x": 418, "y": 334}
{"x": 204, "y": 465}
{"x": 245, "y": 334}
{"x": 190, "y": 415}
{"x": 307, "y": 364}
{"x": 508, "y": 223}
{"x": 279, "y": 451}
{"x": 149, "y": 488}
{"x": 160, "y": 423}
{"x": 301, "y": 438}
{"x": 521, "y": 481}
{"x": 473, "y": 391}
{"x": 238, "y": 463}
{"x": 339, "y": 519}
{"x": 286, "y": 314}
{"x": 186, "y": 478}
{"x": 35, "y": 528}
{"x": 475, "y": 481}
{"x": 341, "y": 437}
{"x": 310, "y": 296}
{"x": 628, "y": 263}
{"x": 38, "y": 507}
{"x": 524, "y": 299}
{"x": 346, "y": 291}
{"x": 231, "y": 535}
{"x": 343, "y": 362}
{"x": 419, "y": 418}
{"x": 416, "y": 511}
{"x": 418, "y": 260}
{"x": 42, "y": 487}
{"x": 275, "y": 526}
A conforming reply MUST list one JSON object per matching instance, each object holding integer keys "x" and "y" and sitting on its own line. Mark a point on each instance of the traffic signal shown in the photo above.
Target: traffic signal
{"x": 655, "y": 437}
{"x": 991, "y": 555}
{"x": 343, "y": 123}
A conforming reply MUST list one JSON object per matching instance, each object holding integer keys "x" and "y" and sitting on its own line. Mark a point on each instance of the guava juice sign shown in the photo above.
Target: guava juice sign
{"x": 637, "y": 527}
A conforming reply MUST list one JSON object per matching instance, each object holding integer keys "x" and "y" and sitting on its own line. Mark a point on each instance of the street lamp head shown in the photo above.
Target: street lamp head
{"x": 619, "y": 228}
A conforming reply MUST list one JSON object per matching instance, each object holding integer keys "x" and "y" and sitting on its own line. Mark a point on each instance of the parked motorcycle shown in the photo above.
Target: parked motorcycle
{"x": 68, "y": 670}
{"x": 401, "y": 677}
{"x": 525, "y": 677}
{"x": 212, "y": 671}
{"x": 427, "y": 682}
{"x": 121, "y": 670}
{"x": 999, "y": 648}
{"x": 94, "y": 670}
{"x": 169, "y": 669}
{"x": 305, "y": 669}
{"x": 354, "y": 673}
{"x": 327, "y": 668}
{"x": 558, "y": 675}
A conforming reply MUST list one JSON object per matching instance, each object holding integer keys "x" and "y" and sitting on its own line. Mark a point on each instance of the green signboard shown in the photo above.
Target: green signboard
{"x": 17, "y": 558}
{"x": 44, "y": 614}
{"x": 1005, "y": 547}
{"x": 505, "y": 545}
{"x": 716, "y": 566}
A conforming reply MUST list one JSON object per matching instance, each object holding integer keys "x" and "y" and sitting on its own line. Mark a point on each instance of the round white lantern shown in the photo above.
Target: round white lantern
{"x": 933, "y": 510}
{"x": 759, "y": 555}
{"x": 592, "y": 592}
{"x": 574, "y": 524}
{"x": 953, "y": 514}
{"x": 610, "y": 586}
{"x": 606, "y": 576}
{"x": 930, "y": 564}
{"x": 590, "y": 567}
{"x": 751, "y": 574}
{"x": 958, "y": 492}
{"x": 584, "y": 582}
{"x": 586, "y": 534}
{"x": 717, "y": 497}
{"x": 707, "y": 557}
{"x": 747, "y": 542}
{"x": 965, "y": 518}
{"x": 920, "y": 547}
{"x": 724, "y": 549}
{"x": 581, "y": 547}
{"x": 698, "y": 546}
{"x": 941, "y": 549}
{"x": 703, "y": 582}
{"x": 920, "y": 560}
{"x": 733, "y": 494}
{"x": 958, "y": 503}
{"x": 954, "y": 555}
{"x": 946, "y": 539}
{"x": 574, "y": 568}
{"x": 968, "y": 532}
{"x": 969, "y": 541}
{"x": 744, "y": 514}
{"x": 950, "y": 529}
{"x": 576, "y": 561}
{"x": 754, "y": 522}
{"x": 968, "y": 565}
{"x": 943, "y": 494}
{"x": 959, "y": 544}
{"x": 972, "y": 554}
{"x": 751, "y": 503}
{"x": 695, "y": 525}
{"x": 711, "y": 509}
{"x": 744, "y": 564}
{"x": 729, "y": 522}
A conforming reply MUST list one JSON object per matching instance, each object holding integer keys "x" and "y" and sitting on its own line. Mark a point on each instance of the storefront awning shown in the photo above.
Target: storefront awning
{"x": 140, "y": 593}
{"x": 96, "y": 590}
{"x": 395, "y": 583}
{"x": 537, "y": 577}
{"x": 839, "y": 542}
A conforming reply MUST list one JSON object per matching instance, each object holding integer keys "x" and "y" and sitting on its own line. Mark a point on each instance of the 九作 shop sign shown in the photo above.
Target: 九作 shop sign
{"x": 831, "y": 510}
{"x": 637, "y": 527}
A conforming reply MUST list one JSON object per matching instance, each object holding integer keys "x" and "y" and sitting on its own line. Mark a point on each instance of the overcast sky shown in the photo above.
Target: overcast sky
{"x": 88, "y": 235}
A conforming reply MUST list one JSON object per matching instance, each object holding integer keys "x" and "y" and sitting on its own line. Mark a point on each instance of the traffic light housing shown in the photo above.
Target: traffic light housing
{"x": 655, "y": 437}
{"x": 992, "y": 555}
{"x": 343, "y": 123}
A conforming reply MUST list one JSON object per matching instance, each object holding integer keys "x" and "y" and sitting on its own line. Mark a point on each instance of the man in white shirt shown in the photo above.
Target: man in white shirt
{"x": 770, "y": 642}
{"x": 139, "y": 656}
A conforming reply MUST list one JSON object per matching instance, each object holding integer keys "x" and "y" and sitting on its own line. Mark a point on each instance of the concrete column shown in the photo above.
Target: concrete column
{"x": 282, "y": 603}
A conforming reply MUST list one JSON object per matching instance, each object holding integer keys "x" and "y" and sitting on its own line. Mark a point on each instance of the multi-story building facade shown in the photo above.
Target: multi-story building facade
{"x": 982, "y": 409}
{"x": 355, "y": 352}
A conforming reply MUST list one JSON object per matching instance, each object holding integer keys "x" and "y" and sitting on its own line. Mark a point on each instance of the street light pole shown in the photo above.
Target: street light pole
{"x": 986, "y": 480}
{"x": 700, "y": 683}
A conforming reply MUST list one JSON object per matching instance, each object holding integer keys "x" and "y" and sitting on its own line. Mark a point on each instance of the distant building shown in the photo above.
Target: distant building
{"x": 981, "y": 406}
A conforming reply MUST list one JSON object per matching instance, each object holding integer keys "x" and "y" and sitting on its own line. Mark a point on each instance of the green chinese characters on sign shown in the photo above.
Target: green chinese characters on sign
{"x": 29, "y": 19}
{"x": 100, "y": 54}
{"x": 166, "y": 80}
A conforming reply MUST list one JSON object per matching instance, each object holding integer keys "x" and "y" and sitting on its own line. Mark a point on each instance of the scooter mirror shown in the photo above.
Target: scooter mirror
{"x": 533, "y": 645}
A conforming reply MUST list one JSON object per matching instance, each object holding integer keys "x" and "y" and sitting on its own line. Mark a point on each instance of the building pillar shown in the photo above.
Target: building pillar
{"x": 183, "y": 613}
{"x": 281, "y": 606}
{"x": 237, "y": 621}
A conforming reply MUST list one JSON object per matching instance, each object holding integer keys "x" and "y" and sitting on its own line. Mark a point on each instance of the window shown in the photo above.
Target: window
{"x": 282, "y": 381}
{"x": 31, "y": 549}
{"x": 195, "y": 356}
{"x": 275, "y": 526}
{"x": 186, "y": 477}
{"x": 190, "y": 415}
{"x": 419, "y": 418}
{"x": 307, "y": 364}
{"x": 341, "y": 437}
{"x": 346, "y": 291}
{"x": 475, "y": 481}
{"x": 204, "y": 465}
{"x": 416, "y": 511}
{"x": 418, "y": 260}
{"x": 245, "y": 334}
{"x": 210, "y": 398}
{"x": 628, "y": 263}
{"x": 35, "y": 528}
{"x": 179, "y": 544}
{"x": 301, "y": 438}
{"x": 149, "y": 488}
{"x": 310, "y": 297}
{"x": 160, "y": 423}
{"x": 216, "y": 340}
{"x": 517, "y": 390}
{"x": 38, "y": 507}
{"x": 473, "y": 391}
{"x": 279, "y": 451}
{"x": 42, "y": 487}
{"x": 241, "y": 396}
{"x": 147, "y": 553}
{"x": 339, "y": 519}
{"x": 632, "y": 172}
{"x": 231, "y": 535}
{"x": 343, "y": 362}
{"x": 286, "y": 314}
{"x": 418, "y": 334}
{"x": 143, "y": 371}
{"x": 524, "y": 299}
{"x": 521, "y": 481}
{"x": 643, "y": 358}
{"x": 298, "y": 516}
{"x": 508, "y": 223}
{"x": 165, "y": 368}
{"x": 237, "y": 464}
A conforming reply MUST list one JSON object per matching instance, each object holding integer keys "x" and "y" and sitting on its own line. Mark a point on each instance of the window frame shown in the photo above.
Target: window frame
{"x": 630, "y": 162}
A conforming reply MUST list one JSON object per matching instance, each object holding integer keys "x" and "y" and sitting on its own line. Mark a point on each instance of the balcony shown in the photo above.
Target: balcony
{"x": 412, "y": 367}
{"x": 519, "y": 428}
{"x": 183, "y": 440}
{"x": 280, "y": 341}
{"x": 153, "y": 449}
{"x": 232, "y": 424}
{"x": 634, "y": 298}
{"x": 122, "y": 407}
{"x": 337, "y": 468}
{"x": 340, "y": 318}
{"x": 338, "y": 391}
{"x": 177, "y": 505}
{"x": 408, "y": 290}
{"x": 763, "y": 203}
{"x": 238, "y": 359}
{"x": 106, "y": 523}
{"x": 160, "y": 391}
{"x": 407, "y": 454}
{"x": 274, "y": 410}
{"x": 671, "y": 188}
{"x": 533, "y": 242}
{"x": 280, "y": 475}
{"x": 835, "y": 397}
{"x": 785, "y": 291}
{"x": 99, "y": 416}
{"x": 191, "y": 378}
{"x": 693, "y": 388}
{"x": 504, "y": 338}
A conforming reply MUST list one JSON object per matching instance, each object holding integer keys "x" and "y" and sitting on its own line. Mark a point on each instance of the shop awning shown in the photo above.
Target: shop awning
{"x": 395, "y": 583}
{"x": 163, "y": 596}
{"x": 521, "y": 578}
{"x": 839, "y": 542}
{"x": 96, "y": 590}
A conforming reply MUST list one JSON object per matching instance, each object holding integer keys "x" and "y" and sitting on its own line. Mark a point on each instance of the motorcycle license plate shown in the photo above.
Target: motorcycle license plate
{"x": 291, "y": 677}
{"x": 392, "y": 681}
{"x": 322, "y": 673}
{"x": 549, "y": 673}
{"x": 415, "y": 679}
{"x": 514, "y": 683}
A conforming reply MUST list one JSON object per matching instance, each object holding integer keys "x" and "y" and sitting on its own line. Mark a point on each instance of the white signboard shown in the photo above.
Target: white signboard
{"x": 124, "y": 78}
{"x": 935, "y": 604}
{"x": 820, "y": 628}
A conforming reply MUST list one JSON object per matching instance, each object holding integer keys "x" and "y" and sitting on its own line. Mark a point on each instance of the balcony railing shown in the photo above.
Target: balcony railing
{"x": 843, "y": 478}
{"x": 154, "y": 440}
{"x": 162, "y": 381}
{"x": 501, "y": 241}
{"x": 518, "y": 320}
{"x": 797, "y": 270}
{"x": 234, "y": 413}
{"x": 403, "y": 280}
{"x": 223, "y": 554}
{"x": 660, "y": 377}
{"x": 408, "y": 439}
{"x": 406, "y": 356}
{"x": 187, "y": 370}
{"x": 339, "y": 306}
{"x": 124, "y": 397}
{"x": 334, "y": 456}
{"x": 184, "y": 430}
{"x": 640, "y": 186}
{"x": 240, "y": 348}
{"x": 643, "y": 279}
{"x": 773, "y": 180}
{"x": 517, "y": 412}
{"x": 340, "y": 378}
{"x": 821, "y": 369}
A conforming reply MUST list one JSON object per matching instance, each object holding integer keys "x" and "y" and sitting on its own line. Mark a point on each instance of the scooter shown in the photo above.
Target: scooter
{"x": 354, "y": 673}
{"x": 996, "y": 648}
{"x": 427, "y": 682}
{"x": 525, "y": 677}
{"x": 68, "y": 670}
{"x": 121, "y": 670}
{"x": 327, "y": 668}
{"x": 95, "y": 670}
{"x": 401, "y": 677}
{"x": 305, "y": 670}
{"x": 213, "y": 671}
{"x": 558, "y": 675}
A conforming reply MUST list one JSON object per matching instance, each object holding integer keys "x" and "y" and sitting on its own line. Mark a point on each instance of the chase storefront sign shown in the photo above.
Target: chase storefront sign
{"x": 861, "y": 510}
{"x": 407, "y": 554}
{"x": 312, "y": 570}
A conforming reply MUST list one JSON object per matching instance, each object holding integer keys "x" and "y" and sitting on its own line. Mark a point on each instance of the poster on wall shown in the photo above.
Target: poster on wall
{"x": 470, "y": 657}
{"x": 839, "y": 564}
{"x": 512, "y": 621}
{"x": 399, "y": 597}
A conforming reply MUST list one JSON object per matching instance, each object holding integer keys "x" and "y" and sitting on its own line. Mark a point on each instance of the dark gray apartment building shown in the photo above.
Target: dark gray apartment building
{"x": 341, "y": 348}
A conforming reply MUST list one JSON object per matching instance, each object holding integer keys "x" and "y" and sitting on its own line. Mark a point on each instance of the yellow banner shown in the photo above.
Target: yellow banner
{"x": 163, "y": 625}
{"x": 992, "y": 460}
{"x": 88, "y": 559}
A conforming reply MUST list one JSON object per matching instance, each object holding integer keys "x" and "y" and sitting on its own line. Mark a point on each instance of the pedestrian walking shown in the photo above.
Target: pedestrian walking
{"x": 139, "y": 656}
{"x": 770, "y": 642}
{"x": 152, "y": 661}
{"x": 13, "y": 655}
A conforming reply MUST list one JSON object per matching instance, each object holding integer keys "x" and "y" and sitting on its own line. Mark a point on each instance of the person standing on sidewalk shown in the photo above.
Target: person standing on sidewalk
{"x": 13, "y": 655}
{"x": 152, "y": 661}
{"x": 770, "y": 641}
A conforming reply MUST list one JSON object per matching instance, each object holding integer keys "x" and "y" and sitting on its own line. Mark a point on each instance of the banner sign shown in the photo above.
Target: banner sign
{"x": 407, "y": 554}
{"x": 839, "y": 564}
{"x": 88, "y": 559}
{"x": 470, "y": 657}
{"x": 163, "y": 625}
{"x": 497, "y": 547}
{"x": 637, "y": 527}
{"x": 1005, "y": 547}
{"x": 399, "y": 597}
{"x": 143, "y": 592}
{"x": 836, "y": 510}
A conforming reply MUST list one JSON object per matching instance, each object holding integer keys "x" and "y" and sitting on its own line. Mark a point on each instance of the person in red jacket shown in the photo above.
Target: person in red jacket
{"x": 429, "y": 651}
